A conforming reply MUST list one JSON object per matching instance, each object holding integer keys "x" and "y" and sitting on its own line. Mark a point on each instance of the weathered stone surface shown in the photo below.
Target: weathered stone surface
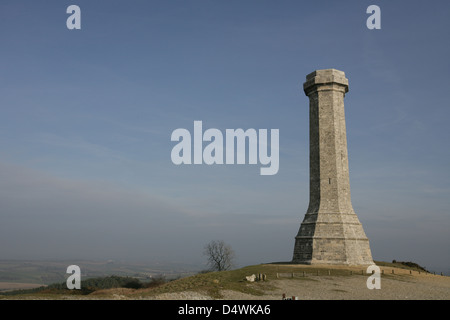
{"x": 330, "y": 232}
{"x": 251, "y": 278}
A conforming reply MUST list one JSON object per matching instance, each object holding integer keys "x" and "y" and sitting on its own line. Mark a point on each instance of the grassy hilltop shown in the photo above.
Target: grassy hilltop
{"x": 330, "y": 282}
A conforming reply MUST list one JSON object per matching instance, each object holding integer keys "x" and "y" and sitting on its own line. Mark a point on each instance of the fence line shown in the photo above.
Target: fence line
{"x": 342, "y": 272}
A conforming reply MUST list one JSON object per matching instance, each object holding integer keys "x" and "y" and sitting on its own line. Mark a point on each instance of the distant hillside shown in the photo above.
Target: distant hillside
{"x": 93, "y": 284}
{"x": 48, "y": 272}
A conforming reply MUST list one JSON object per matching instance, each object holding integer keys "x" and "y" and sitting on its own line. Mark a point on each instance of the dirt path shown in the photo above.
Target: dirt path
{"x": 331, "y": 288}
{"x": 398, "y": 287}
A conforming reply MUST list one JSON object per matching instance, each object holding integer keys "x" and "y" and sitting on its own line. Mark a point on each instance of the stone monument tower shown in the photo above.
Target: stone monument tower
{"x": 330, "y": 232}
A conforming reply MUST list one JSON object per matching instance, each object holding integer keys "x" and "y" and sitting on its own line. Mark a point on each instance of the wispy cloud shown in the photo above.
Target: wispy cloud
{"x": 78, "y": 144}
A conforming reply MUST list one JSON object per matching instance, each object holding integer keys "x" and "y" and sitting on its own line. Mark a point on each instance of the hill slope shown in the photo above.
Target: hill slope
{"x": 304, "y": 282}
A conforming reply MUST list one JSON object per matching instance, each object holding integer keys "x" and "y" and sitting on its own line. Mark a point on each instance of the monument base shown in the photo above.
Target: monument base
{"x": 332, "y": 238}
{"x": 351, "y": 252}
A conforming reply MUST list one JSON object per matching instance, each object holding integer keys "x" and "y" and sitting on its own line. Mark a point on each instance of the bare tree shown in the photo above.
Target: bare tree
{"x": 220, "y": 255}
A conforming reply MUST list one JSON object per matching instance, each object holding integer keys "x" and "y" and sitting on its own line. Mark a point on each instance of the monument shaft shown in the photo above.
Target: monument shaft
{"x": 330, "y": 232}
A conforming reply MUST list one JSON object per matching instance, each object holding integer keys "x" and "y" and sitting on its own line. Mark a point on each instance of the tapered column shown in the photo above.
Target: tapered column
{"x": 330, "y": 232}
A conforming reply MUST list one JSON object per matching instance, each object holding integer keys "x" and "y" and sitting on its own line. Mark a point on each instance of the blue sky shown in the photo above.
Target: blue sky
{"x": 87, "y": 115}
